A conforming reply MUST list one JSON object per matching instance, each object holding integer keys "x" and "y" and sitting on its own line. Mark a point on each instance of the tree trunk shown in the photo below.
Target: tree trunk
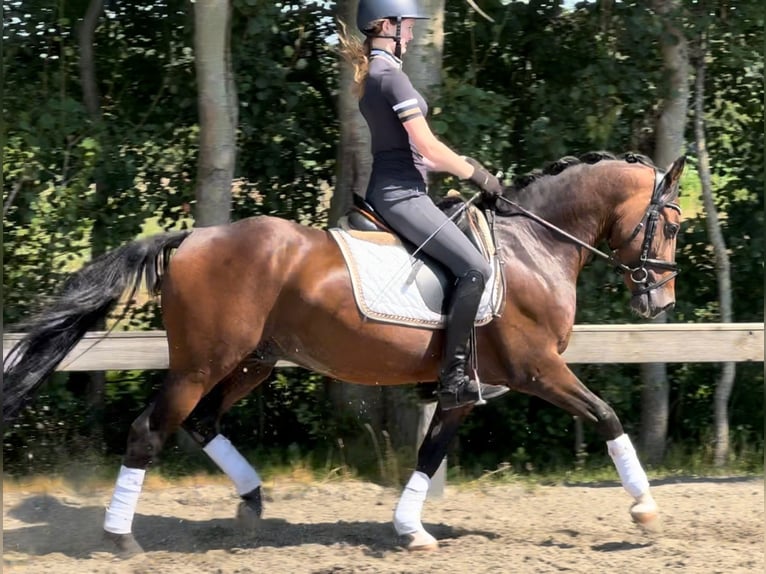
{"x": 670, "y": 130}
{"x": 423, "y": 61}
{"x": 354, "y": 158}
{"x": 90, "y": 94}
{"x": 96, "y": 381}
{"x": 393, "y": 409}
{"x": 360, "y": 402}
{"x": 725, "y": 381}
{"x": 218, "y": 114}
{"x": 423, "y": 64}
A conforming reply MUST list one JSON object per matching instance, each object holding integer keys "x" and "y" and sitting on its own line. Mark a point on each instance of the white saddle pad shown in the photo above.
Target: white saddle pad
{"x": 383, "y": 278}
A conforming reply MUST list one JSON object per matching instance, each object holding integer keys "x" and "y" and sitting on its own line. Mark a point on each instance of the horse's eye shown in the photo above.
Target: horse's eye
{"x": 671, "y": 230}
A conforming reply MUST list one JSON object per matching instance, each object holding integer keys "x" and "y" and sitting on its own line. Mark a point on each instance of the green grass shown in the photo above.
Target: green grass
{"x": 180, "y": 465}
{"x": 678, "y": 463}
{"x": 690, "y": 198}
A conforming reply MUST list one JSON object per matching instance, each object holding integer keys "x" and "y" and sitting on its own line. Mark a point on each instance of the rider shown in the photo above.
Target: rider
{"x": 403, "y": 149}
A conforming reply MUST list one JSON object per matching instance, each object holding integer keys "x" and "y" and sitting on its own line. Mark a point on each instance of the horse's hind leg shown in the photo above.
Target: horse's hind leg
{"x": 176, "y": 399}
{"x": 203, "y": 427}
{"x": 407, "y": 522}
{"x": 557, "y": 384}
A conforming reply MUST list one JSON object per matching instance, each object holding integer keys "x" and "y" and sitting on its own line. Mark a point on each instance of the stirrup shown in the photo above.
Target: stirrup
{"x": 470, "y": 392}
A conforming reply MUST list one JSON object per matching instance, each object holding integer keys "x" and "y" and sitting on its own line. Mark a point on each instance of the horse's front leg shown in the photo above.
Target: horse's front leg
{"x": 557, "y": 384}
{"x": 433, "y": 449}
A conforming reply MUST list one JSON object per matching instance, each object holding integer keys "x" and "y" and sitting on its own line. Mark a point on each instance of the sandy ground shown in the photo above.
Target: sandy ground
{"x": 342, "y": 527}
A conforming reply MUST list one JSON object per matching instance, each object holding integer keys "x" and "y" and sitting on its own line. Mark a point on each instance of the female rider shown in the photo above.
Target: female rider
{"x": 404, "y": 148}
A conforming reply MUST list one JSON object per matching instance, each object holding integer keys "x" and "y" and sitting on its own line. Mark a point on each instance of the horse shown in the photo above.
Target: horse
{"x": 237, "y": 298}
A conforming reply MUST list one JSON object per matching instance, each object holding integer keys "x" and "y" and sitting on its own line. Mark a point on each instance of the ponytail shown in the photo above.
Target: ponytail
{"x": 357, "y": 53}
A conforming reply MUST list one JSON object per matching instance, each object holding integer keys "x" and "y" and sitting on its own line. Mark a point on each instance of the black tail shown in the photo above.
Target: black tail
{"x": 87, "y": 296}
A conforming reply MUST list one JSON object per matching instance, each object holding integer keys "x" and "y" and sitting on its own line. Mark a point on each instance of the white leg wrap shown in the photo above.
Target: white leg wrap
{"x": 407, "y": 513}
{"x": 119, "y": 514}
{"x": 628, "y": 467}
{"x": 233, "y": 464}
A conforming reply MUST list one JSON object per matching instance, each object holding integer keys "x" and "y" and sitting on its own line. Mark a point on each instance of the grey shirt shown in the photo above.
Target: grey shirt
{"x": 389, "y": 100}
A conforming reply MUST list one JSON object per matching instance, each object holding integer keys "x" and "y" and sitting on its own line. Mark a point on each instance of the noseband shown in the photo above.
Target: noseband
{"x": 639, "y": 275}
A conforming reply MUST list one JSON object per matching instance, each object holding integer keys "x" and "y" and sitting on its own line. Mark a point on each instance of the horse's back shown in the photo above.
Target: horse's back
{"x": 253, "y": 233}
{"x": 240, "y": 245}
{"x": 233, "y": 274}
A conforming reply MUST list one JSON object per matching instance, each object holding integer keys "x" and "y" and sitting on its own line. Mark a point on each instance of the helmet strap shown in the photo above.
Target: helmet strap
{"x": 398, "y": 38}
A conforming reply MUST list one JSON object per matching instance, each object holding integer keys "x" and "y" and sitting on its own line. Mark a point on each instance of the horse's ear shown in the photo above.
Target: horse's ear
{"x": 668, "y": 188}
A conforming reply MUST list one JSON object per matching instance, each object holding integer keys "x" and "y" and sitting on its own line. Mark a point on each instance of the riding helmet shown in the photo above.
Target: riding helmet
{"x": 371, "y": 10}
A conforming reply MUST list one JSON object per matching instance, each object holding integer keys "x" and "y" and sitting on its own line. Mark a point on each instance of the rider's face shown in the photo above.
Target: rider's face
{"x": 406, "y": 31}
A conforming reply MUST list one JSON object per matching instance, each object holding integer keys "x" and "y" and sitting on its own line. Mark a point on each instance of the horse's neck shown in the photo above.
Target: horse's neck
{"x": 579, "y": 203}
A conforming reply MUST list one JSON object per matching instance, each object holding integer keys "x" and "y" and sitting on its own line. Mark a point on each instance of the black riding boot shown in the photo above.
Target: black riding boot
{"x": 456, "y": 389}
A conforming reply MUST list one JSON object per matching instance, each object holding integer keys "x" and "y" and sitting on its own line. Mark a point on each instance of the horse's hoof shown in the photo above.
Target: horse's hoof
{"x": 126, "y": 544}
{"x": 420, "y": 541}
{"x": 248, "y": 517}
{"x": 646, "y": 514}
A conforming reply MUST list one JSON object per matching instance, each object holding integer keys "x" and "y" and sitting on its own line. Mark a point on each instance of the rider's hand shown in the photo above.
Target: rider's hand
{"x": 490, "y": 186}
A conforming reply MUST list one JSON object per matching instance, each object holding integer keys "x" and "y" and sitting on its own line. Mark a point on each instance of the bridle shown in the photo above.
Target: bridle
{"x": 638, "y": 274}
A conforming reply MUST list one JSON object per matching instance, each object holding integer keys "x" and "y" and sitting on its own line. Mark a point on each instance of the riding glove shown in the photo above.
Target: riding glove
{"x": 488, "y": 183}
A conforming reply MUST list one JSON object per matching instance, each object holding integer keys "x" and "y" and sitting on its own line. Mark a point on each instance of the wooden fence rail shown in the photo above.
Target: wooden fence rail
{"x": 593, "y": 344}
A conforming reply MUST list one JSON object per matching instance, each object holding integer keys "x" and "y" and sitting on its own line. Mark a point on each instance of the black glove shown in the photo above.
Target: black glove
{"x": 489, "y": 185}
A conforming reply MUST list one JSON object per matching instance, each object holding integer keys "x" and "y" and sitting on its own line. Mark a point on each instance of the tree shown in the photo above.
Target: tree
{"x": 352, "y": 173}
{"x": 423, "y": 64}
{"x": 354, "y": 158}
{"x": 92, "y": 100}
{"x": 392, "y": 407}
{"x": 669, "y": 144}
{"x": 722, "y": 266}
{"x": 218, "y": 115}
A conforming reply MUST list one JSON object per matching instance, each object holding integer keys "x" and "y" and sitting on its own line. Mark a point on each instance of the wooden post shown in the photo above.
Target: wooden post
{"x": 439, "y": 479}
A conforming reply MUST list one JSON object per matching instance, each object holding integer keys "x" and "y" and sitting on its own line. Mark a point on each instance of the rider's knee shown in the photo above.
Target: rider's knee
{"x": 479, "y": 273}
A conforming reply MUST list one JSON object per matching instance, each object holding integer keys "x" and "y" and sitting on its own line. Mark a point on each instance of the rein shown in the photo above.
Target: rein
{"x": 639, "y": 274}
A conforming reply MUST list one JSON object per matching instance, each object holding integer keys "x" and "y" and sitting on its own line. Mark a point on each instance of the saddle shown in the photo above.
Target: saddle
{"x": 393, "y": 285}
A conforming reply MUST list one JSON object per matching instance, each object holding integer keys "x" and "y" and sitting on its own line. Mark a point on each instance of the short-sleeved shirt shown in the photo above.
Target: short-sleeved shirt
{"x": 389, "y": 100}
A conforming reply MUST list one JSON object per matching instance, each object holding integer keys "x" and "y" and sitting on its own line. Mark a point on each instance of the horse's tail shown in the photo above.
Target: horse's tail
{"x": 87, "y": 296}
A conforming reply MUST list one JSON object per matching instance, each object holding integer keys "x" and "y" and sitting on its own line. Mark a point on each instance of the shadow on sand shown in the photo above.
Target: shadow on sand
{"x": 75, "y": 531}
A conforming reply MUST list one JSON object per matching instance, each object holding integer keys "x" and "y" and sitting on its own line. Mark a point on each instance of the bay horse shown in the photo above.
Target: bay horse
{"x": 237, "y": 298}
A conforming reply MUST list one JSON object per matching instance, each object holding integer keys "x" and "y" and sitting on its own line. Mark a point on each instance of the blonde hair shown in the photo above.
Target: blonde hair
{"x": 357, "y": 53}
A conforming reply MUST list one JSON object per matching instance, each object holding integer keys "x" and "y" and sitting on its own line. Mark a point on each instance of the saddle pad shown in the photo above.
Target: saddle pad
{"x": 383, "y": 278}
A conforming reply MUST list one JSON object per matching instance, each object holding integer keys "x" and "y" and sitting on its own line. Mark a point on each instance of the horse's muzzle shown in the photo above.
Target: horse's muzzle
{"x": 650, "y": 306}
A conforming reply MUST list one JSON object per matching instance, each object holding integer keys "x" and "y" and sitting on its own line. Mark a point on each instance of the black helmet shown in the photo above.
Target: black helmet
{"x": 371, "y": 10}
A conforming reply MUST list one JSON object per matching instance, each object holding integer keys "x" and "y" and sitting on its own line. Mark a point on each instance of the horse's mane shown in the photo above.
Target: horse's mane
{"x": 556, "y": 167}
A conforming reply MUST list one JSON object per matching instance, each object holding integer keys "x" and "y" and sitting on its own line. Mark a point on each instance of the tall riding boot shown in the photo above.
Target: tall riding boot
{"x": 456, "y": 389}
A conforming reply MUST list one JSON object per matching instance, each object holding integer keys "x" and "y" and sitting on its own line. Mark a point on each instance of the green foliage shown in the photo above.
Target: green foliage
{"x": 539, "y": 83}
{"x": 286, "y": 80}
{"x": 569, "y": 82}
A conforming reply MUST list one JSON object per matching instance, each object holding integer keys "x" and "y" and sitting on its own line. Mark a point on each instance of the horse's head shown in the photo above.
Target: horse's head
{"x": 644, "y": 242}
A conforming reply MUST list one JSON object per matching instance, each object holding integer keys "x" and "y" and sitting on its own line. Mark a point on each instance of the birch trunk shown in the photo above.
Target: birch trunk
{"x": 669, "y": 145}
{"x": 725, "y": 381}
{"x": 218, "y": 113}
{"x": 95, "y": 384}
{"x": 423, "y": 64}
